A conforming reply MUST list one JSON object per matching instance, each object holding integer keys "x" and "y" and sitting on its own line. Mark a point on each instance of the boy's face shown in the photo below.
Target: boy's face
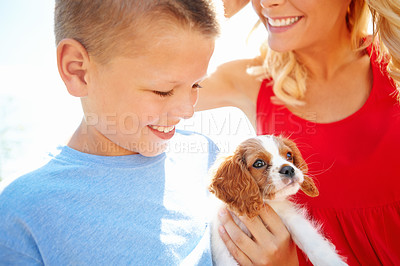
{"x": 134, "y": 103}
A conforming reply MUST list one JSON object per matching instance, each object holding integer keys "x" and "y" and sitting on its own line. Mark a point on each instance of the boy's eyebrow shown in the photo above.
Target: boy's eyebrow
{"x": 197, "y": 81}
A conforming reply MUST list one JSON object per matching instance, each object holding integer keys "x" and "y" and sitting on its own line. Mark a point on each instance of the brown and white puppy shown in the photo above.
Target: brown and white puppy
{"x": 268, "y": 169}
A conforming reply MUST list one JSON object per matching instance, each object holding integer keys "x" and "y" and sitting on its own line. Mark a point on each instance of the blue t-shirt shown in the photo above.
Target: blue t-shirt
{"x": 83, "y": 209}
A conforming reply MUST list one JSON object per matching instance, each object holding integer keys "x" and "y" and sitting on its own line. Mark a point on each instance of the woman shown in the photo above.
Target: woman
{"x": 322, "y": 81}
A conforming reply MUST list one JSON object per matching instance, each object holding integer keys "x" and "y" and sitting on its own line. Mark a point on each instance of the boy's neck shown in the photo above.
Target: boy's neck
{"x": 89, "y": 140}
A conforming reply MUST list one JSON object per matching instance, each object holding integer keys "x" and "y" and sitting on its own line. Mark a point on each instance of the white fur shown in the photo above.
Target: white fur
{"x": 304, "y": 233}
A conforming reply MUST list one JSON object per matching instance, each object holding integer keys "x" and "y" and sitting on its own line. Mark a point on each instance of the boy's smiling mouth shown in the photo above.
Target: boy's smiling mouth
{"x": 163, "y": 132}
{"x": 163, "y": 128}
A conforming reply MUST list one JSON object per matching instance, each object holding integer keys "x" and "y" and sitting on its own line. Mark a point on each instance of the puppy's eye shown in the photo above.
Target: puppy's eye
{"x": 259, "y": 163}
{"x": 289, "y": 156}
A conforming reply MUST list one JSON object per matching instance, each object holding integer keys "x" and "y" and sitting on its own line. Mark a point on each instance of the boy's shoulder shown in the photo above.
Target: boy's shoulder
{"x": 22, "y": 188}
{"x": 34, "y": 188}
{"x": 22, "y": 197}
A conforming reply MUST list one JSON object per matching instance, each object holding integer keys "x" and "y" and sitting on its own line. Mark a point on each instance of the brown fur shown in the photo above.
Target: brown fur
{"x": 243, "y": 187}
{"x": 234, "y": 185}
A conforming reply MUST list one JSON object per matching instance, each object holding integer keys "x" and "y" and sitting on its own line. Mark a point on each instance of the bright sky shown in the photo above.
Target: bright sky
{"x": 25, "y": 30}
{"x": 36, "y": 112}
{"x": 27, "y": 81}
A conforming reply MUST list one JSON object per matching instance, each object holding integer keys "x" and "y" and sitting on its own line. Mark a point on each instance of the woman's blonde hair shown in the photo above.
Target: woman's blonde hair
{"x": 386, "y": 24}
{"x": 289, "y": 75}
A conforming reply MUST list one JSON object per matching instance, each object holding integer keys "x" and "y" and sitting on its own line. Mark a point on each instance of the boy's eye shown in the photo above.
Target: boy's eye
{"x": 171, "y": 92}
{"x": 164, "y": 93}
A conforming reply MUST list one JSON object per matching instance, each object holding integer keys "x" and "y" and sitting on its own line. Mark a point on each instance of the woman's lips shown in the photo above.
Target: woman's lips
{"x": 281, "y": 24}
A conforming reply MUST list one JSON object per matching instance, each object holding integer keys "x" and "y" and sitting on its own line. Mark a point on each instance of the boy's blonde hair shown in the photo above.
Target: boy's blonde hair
{"x": 289, "y": 75}
{"x": 386, "y": 19}
{"x": 107, "y": 27}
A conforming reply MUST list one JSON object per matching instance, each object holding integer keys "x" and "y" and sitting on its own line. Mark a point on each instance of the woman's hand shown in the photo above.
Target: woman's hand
{"x": 271, "y": 243}
{"x": 233, "y": 6}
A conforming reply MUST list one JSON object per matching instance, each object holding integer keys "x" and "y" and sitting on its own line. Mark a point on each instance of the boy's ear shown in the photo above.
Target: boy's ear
{"x": 73, "y": 61}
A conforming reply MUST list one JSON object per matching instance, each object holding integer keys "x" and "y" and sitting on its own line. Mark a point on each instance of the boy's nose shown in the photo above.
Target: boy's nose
{"x": 185, "y": 107}
{"x": 186, "y": 111}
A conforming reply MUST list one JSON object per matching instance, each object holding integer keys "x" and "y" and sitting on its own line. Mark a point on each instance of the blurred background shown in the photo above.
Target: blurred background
{"x": 36, "y": 112}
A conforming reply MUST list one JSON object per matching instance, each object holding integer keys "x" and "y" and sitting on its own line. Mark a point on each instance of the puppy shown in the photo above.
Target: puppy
{"x": 268, "y": 169}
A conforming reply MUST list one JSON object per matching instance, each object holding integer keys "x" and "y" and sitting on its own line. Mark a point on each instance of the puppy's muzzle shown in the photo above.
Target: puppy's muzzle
{"x": 287, "y": 171}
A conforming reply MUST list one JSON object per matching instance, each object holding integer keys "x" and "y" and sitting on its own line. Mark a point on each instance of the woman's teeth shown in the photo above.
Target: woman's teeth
{"x": 163, "y": 129}
{"x": 282, "y": 22}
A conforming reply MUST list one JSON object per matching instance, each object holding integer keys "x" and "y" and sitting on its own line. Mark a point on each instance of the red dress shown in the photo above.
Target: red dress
{"x": 355, "y": 163}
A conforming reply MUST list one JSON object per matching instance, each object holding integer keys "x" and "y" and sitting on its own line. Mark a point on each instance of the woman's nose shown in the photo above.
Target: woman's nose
{"x": 270, "y": 3}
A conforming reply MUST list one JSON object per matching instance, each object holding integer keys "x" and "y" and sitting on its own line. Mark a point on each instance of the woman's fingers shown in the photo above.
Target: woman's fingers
{"x": 270, "y": 220}
{"x": 234, "y": 237}
{"x": 233, "y": 6}
{"x": 270, "y": 244}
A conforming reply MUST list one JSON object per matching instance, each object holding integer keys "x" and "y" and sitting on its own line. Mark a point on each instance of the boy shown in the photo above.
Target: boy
{"x": 116, "y": 194}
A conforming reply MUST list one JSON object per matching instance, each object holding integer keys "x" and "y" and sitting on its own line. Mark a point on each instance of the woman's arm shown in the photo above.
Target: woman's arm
{"x": 231, "y": 85}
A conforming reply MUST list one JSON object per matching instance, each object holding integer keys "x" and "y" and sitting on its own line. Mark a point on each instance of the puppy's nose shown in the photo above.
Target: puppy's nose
{"x": 287, "y": 171}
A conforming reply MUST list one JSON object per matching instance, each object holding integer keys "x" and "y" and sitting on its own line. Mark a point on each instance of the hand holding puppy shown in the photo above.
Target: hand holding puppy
{"x": 272, "y": 244}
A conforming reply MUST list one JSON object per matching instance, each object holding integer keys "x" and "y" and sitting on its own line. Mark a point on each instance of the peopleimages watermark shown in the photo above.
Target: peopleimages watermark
{"x": 208, "y": 124}
{"x": 151, "y": 147}
{"x": 281, "y": 121}
{"x": 131, "y": 123}
{"x": 110, "y": 123}
{"x": 217, "y": 124}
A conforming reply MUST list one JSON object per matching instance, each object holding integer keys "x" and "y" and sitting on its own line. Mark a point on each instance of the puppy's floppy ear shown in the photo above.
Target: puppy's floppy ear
{"x": 234, "y": 185}
{"x": 308, "y": 186}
